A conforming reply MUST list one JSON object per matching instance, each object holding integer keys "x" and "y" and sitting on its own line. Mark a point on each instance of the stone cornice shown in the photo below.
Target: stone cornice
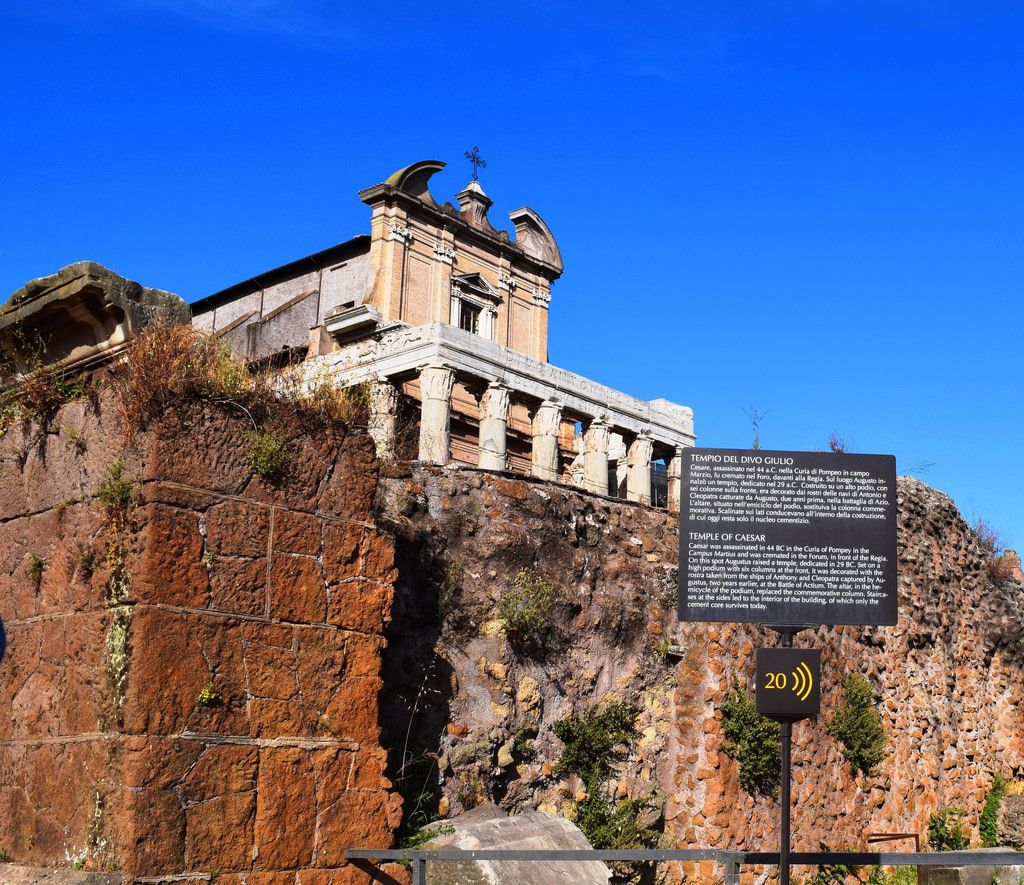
{"x": 404, "y": 349}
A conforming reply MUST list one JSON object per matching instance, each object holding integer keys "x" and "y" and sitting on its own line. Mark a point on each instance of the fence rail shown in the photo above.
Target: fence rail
{"x": 731, "y": 861}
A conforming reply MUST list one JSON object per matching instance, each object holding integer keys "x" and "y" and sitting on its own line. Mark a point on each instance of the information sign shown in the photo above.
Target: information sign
{"x": 787, "y": 538}
{"x": 787, "y": 682}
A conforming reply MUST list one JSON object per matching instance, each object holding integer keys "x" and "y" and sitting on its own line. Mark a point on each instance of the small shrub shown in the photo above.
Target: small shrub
{"x": 753, "y": 741}
{"x": 895, "y": 876}
{"x": 84, "y": 562}
{"x": 590, "y": 740}
{"x": 832, "y": 874}
{"x": 1001, "y": 568}
{"x": 424, "y": 834}
{"x": 988, "y": 822}
{"x": 36, "y": 563}
{"x": 319, "y": 393}
{"x": 946, "y": 832}
{"x": 590, "y": 748}
{"x": 988, "y": 536}
{"x": 38, "y": 394}
{"x": 116, "y": 493}
{"x": 268, "y": 454}
{"x": 610, "y": 825}
{"x": 74, "y": 436}
{"x": 525, "y": 606}
{"x": 209, "y": 697}
{"x": 858, "y": 726}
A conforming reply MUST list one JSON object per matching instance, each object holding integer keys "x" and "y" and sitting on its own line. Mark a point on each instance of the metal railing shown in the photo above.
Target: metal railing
{"x": 730, "y": 861}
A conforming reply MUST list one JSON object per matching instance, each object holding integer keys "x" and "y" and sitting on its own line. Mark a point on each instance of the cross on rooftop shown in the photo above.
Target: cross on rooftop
{"x": 477, "y": 161}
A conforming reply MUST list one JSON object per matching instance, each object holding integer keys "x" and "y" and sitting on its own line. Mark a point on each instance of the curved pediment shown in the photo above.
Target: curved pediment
{"x": 536, "y": 240}
{"x": 414, "y": 179}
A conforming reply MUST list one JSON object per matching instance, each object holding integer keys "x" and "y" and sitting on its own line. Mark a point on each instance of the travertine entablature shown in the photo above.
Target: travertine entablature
{"x": 81, "y": 315}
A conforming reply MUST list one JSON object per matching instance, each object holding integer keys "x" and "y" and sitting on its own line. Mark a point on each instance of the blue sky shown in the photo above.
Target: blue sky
{"x": 814, "y": 208}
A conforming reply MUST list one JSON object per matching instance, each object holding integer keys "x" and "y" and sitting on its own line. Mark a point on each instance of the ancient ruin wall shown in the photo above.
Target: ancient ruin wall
{"x": 950, "y": 676}
{"x": 197, "y": 692}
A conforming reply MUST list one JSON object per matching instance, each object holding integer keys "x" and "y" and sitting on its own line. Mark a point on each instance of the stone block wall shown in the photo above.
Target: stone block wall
{"x": 197, "y": 692}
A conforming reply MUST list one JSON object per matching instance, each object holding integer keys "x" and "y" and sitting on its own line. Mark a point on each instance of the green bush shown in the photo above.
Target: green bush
{"x": 590, "y": 740}
{"x": 898, "y": 876}
{"x": 988, "y": 823}
{"x": 612, "y": 825}
{"x": 858, "y": 726}
{"x": 753, "y": 741}
{"x": 833, "y": 874}
{"x": 526, "y": 605}
{"x": 945, "y": 830}
{"x": 268, "y": 453}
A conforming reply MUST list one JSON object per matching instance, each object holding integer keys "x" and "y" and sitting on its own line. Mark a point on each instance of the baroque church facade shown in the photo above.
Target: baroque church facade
{"x": 445, "y": 317}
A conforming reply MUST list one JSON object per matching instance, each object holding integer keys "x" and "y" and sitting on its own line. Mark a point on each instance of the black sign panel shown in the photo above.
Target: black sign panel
{"x": 787, "y": 685}
{"x": 787, "y": 538}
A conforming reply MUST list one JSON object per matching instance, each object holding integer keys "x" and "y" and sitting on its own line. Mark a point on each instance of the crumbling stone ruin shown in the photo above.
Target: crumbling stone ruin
{"x": 247, "y": 628}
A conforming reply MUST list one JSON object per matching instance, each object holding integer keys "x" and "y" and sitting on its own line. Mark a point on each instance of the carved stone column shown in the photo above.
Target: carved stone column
{"x": 675, "y": 472}
{"x": 435, "y": 413}
{"x": 383, "y": 417}
{"x": 595, "y": 456}
{"x": 638, "y": 469}
{"x": 494, "y": 427}
{"x": 546, "y": 422}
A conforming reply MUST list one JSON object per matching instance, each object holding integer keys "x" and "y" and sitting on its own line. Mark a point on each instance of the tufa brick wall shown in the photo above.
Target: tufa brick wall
{"x": 195, "y": 693}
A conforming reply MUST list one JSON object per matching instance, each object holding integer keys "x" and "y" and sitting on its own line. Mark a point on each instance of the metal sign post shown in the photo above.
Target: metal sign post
{"x": 788, "y": 688}
{"x": 788, "y": 539}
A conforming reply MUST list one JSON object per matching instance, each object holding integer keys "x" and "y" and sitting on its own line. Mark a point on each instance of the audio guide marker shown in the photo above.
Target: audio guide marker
{"x": 787, "y": 682}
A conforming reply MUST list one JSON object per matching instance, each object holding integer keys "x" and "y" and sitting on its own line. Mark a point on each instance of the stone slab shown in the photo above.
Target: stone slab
{"x": 486, "y": 826}
{"x": 1011, "y": 874}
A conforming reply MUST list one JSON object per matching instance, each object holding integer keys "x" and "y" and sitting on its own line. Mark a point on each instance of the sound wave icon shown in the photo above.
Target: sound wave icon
{"x": 803, "y": 682}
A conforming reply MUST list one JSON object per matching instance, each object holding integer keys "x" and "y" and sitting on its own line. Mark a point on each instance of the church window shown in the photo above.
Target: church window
{"x": 474, "y": 305}
{"x": 469, "y": 317}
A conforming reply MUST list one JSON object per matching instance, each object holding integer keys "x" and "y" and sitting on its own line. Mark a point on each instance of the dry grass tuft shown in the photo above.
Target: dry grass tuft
{"x": 168, "y": 362}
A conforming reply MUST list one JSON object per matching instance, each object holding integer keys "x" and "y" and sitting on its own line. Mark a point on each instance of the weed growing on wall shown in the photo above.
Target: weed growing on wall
{"x": 116, "y": 496}
{"x": 37, "y": 397}
{"x": 34, "y": 391}
{"x": 169, "y": 361}
{"x": 36, "y": 563}
{"x": 988, "y": 823}
{"x": 753, "y": 741}
{"x": 526, "y": 606}
{"x": 267, "y": 453}
{"x": 858, "y": 726}
{"x": 209, "y": 696}
{"x": 946, "y": 831}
